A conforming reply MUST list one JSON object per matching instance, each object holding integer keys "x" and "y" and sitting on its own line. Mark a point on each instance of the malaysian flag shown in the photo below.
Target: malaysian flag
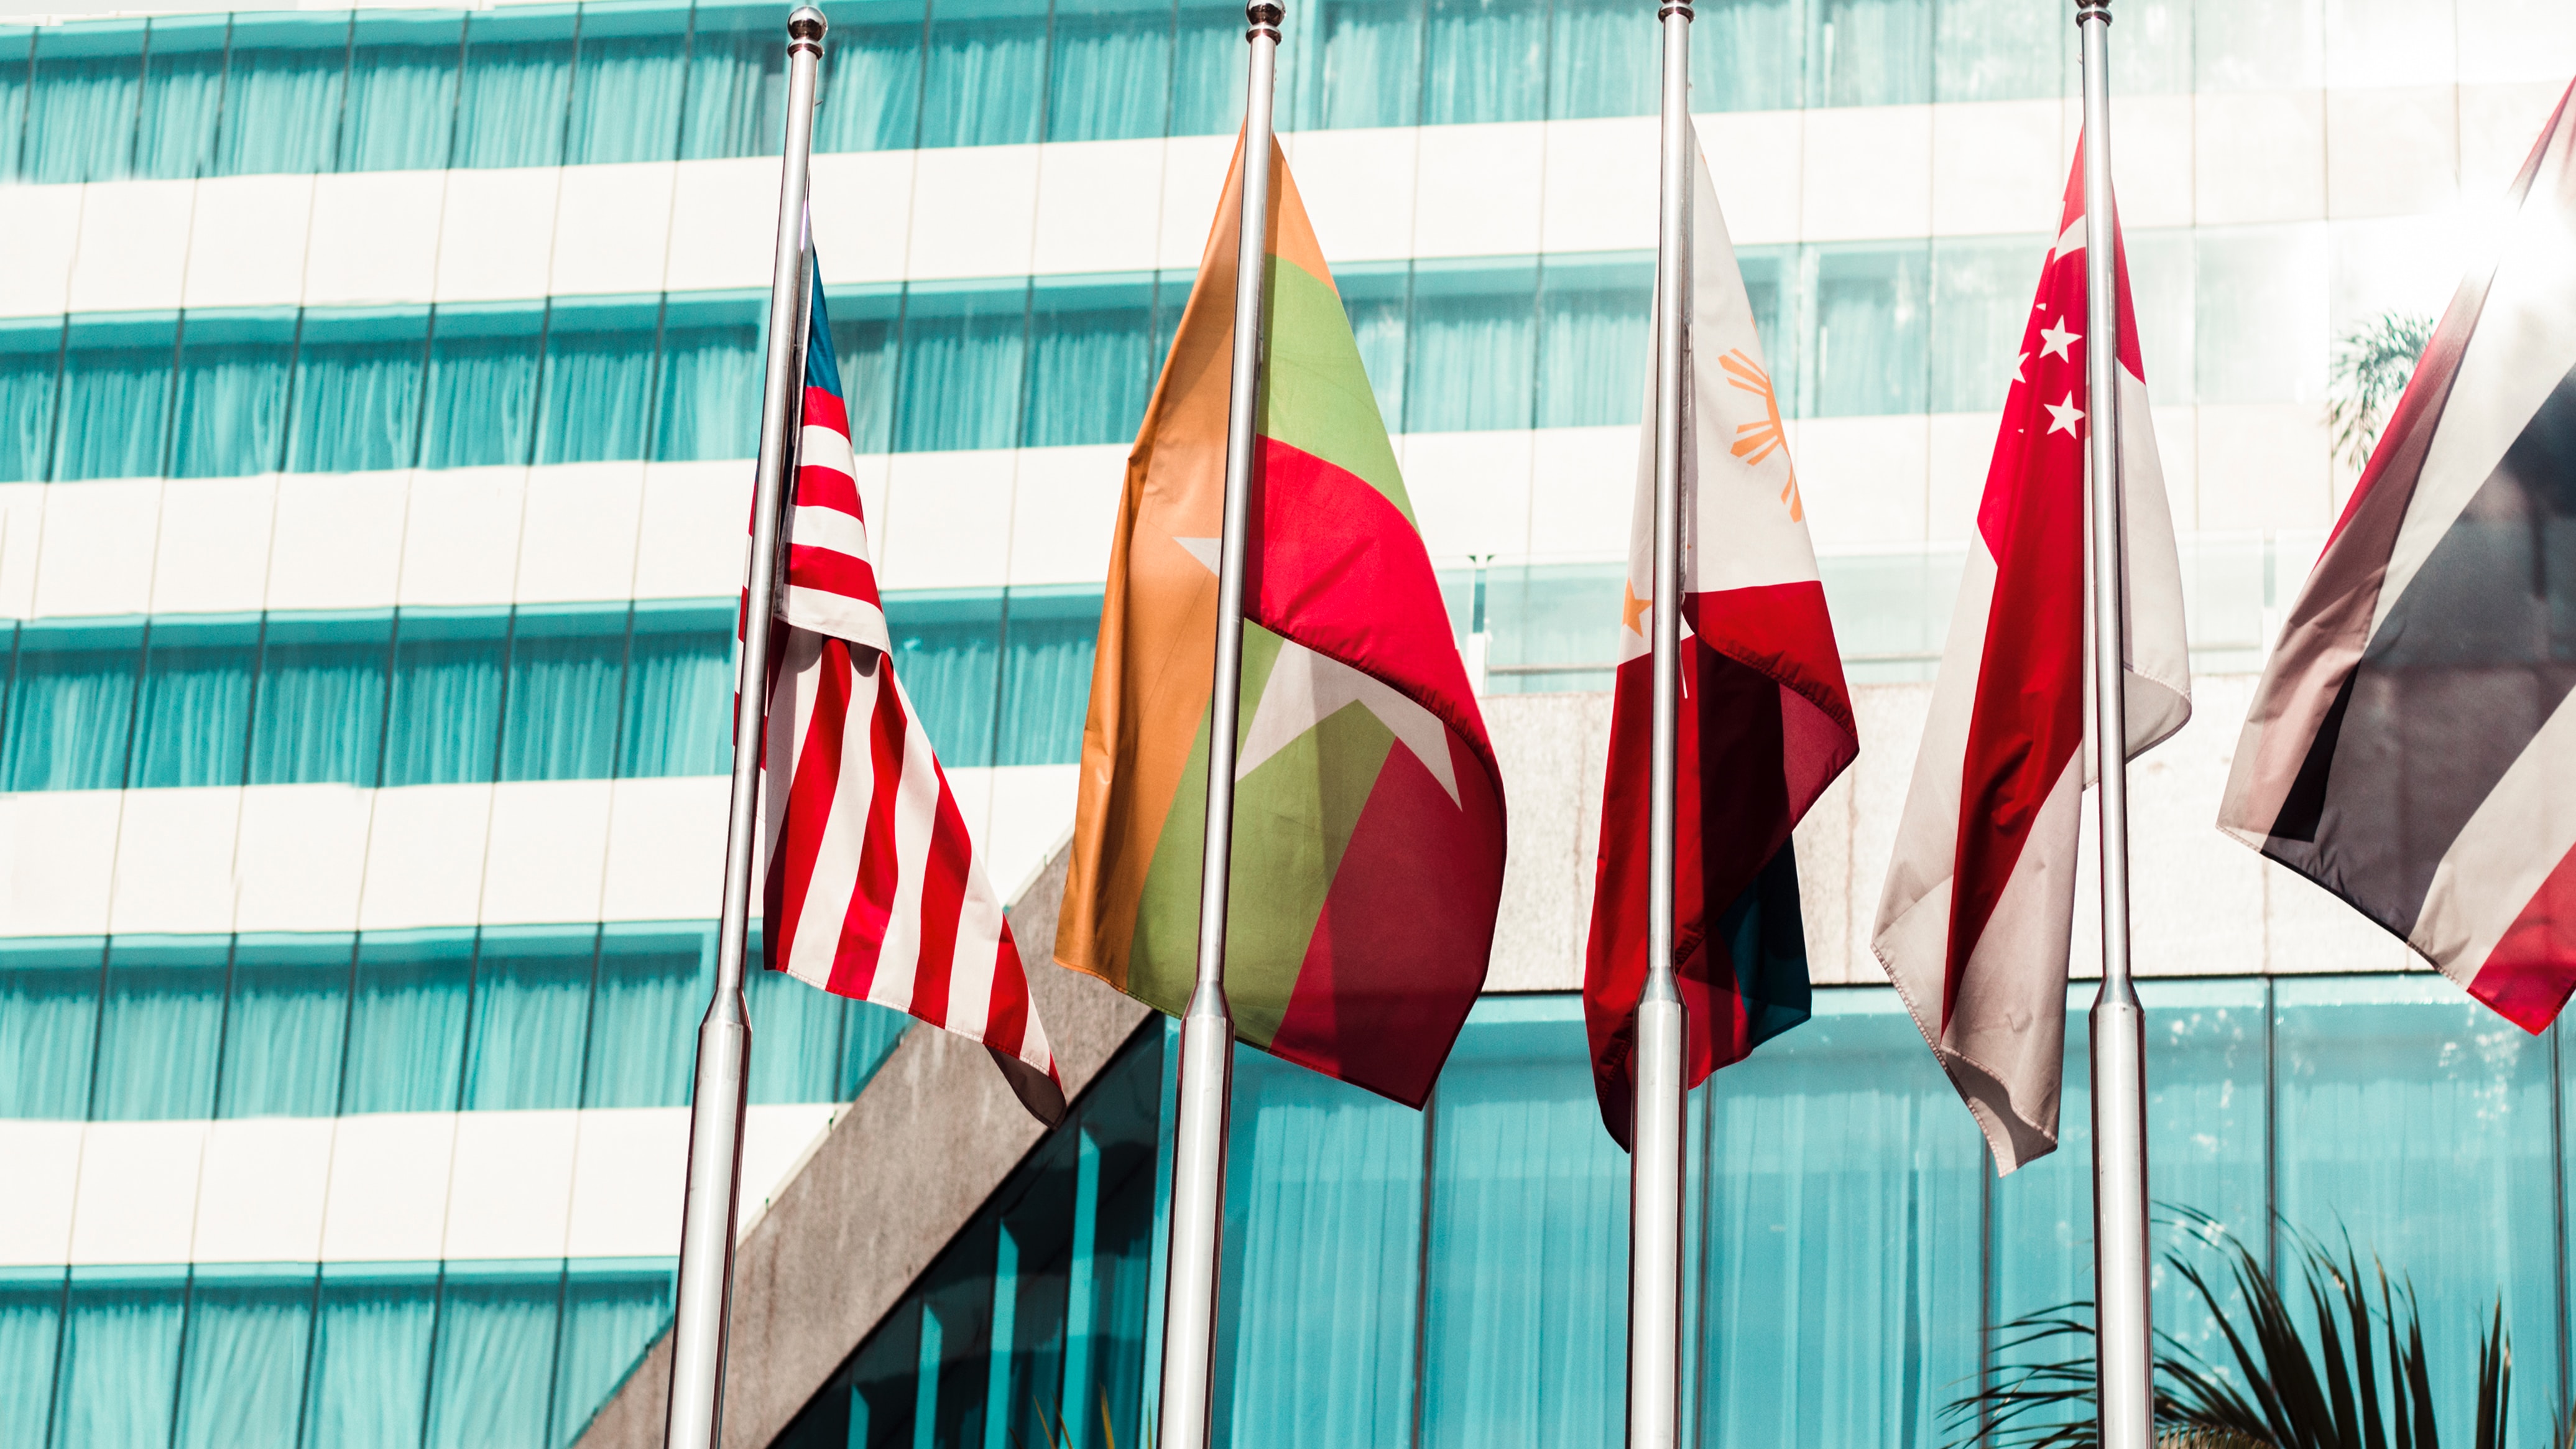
{"x": 873, "y": 889}
{"x": 2412, "y": 747}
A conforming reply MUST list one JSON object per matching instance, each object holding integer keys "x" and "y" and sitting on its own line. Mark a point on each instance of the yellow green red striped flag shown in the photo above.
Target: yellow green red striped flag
{"x": 1368, "y": 837}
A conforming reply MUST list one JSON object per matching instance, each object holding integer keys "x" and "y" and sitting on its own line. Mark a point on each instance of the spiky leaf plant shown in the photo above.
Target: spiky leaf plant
{"x": 2362, "y": 1383}
{"x": 2372, "y": 365}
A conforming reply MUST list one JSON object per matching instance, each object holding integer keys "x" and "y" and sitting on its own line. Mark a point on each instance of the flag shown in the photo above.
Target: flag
{"x": 873, "y": 890}
{"x": 1980, "y": 900}
{"x": 1368, "y": 830}
{"x": 2412, "y": 745}
{"x": 1765, "y": 722}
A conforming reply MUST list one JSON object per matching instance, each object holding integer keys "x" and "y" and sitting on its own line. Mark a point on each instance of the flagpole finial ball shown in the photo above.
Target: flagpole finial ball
{"x": 1262, "y": 16}
{"x": 806, "y": 23}
{"x": 2092, "y": 10}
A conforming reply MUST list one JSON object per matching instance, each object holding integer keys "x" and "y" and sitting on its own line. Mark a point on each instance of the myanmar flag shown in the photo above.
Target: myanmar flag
{"x": 1368, "y": 832}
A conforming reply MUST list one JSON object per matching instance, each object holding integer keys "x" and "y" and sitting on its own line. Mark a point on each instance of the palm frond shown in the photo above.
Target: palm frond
{"x": 2352, "y": 1375}
{"x": 2372, "y": 364}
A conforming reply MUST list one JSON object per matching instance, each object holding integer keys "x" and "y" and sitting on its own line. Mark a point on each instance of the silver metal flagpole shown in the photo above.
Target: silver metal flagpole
{"x": 1207, "y": 1028}
{"x": 1655, "y": 1124}
{"x": 724, "y": 1037}
{"x": 2122, "y": 1344}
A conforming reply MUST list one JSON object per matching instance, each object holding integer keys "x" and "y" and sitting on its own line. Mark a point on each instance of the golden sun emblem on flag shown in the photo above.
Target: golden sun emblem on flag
{"x": 1756, "y": 440}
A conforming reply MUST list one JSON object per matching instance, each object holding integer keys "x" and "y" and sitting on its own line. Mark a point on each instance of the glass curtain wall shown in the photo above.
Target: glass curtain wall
{"x": 619, "y": 80}
{"x": 1458, "y": 1276}
{"x": 318, "y": 1024}
{"x": 457, "y": 1353}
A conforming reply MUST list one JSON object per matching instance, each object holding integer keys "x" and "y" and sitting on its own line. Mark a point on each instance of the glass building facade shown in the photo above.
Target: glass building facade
{"x": 1458, "y": 1276}
{"x": 377, "y": 388}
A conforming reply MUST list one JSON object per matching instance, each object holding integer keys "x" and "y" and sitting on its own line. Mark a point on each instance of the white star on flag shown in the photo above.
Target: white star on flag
{"x": 2064, "y": 415}
{"x": 2056, "y": 338}
{"x": 2018, "y": 363}
{"x": 1305, "y": 689}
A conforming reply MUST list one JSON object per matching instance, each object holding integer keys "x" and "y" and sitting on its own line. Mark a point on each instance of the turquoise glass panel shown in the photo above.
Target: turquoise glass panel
{"x": 1316, "y": 1315}
{"x": 677, "y": 712}
{"x": 31, "y": 1321}
{"x": 282, "y": 94}
{"x": 1842, "y": 1213}
{"x": 613, "y": 1309}
{"x": 531, "y": 1017}
{"x": 867, "y": 331}
{"x": 516, "y": 86}
{"x": 1872, "y": 325}
{"x": 193, "y": 720}
{"x": 1207, "y": 73}
{"x": 1596, "y": 67}
{"x": 182, "y": 96}
{"x": 709, "y": 398}
{"x": 599, "y": 379}
{"x": 1593, "y": 316}
{"x": 284, "y": 1024}
{"x": 235, "y": 368}
{"x": 1555, "y": 626}
{"x": 483, "y": 366}
{"x": 1372, "y": 70}
{"x": 2010, "y": 50}
{"x": 1981, "y": 291}
{"x": 567, "y": 663}
{"x": 869, "y": 1035}
{"x": 369, "y": 1380}
{"x": 241, "y": 1377}
{"x": 1105, "y": 72}
{"x": 82, "y": 106}
{"x": 1091, "y": 362}
{"x": 1869, "y": 52}
{"x": 407, "y": 1019}
{"x": 963, "y": 345}
{"x": 17, "y": 51}
{"x": 654, "y": 980}
{"x": 161, "y": 1028}
{"x": 319, "y": 714}
{"x": 31, "y": 352}
{"x": 1049, "y": 634}
{"x": 871, "y": 82}
{"x": 115, "y": 395}
{"x": 800, "y": 1030}
{"x": 630, "y": 73}
{"x": 400, "y": 112}
{"x": 1524, "y": 1330}
{"x": 357, "y": 400}
{"x": 1749, "y": 55}
{"x": 2414, "y": 1120}
{"x": 493, "y": 1360}
{"x": 737, "y": 101}
{"x": 121, "y": 1330}
{"x": 985, "y": 76}
{"x": 444, "y": 723}
{"x": 48, "y": 1025}
{"x": 947, "y": 653}
{"x": 1892, "y": 610}
{"x": 1474, "y": 344}
{"x": 1487, "y": 62}
{"x": 1773, "y": 278}
{"x": 70, "y": 705}
{"x": 1377, "y": 297}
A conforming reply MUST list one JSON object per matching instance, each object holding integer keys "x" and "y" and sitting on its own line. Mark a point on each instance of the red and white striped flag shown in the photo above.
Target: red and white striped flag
{"x": 873, "y": 888}
{"x": 1980, "y": 901}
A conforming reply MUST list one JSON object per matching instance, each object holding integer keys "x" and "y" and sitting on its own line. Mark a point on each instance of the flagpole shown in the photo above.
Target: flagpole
{"x": 1183, "y": 1419}
{"x": 1655, "y": 1160}
{"x": 704, "y": 1312}
{"x": 2122, "y": 1344}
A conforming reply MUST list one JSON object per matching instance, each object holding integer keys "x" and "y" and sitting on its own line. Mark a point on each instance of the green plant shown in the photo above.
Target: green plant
{"x": 2362, "y": 1383}
{"x": 2372, "y": 365}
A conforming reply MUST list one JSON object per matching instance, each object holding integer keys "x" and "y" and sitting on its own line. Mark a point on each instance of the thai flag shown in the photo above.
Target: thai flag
{"x": 1765, "y": 725}
{"x": 2412, "y": 746}
{"x": 873, "y": 889}
{"x": 1979, "y": 906}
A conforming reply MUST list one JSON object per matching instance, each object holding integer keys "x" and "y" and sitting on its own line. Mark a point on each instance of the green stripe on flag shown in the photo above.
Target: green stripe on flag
{"x": 1315, "y": 394}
